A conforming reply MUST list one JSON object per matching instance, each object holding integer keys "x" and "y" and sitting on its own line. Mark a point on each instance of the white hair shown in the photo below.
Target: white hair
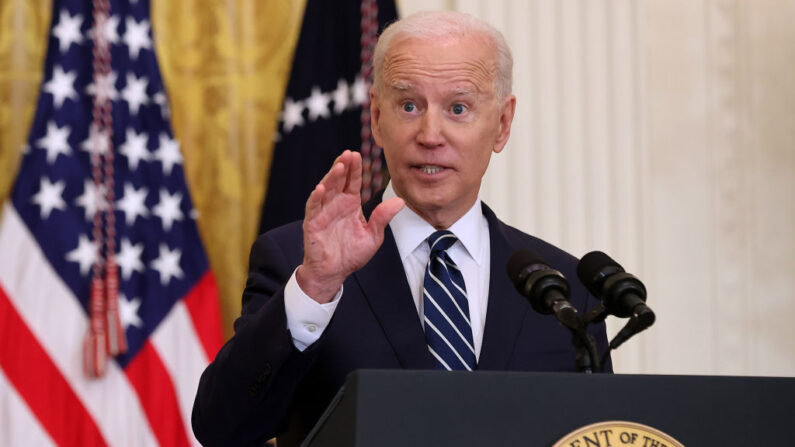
{"x": 436, "y": 25}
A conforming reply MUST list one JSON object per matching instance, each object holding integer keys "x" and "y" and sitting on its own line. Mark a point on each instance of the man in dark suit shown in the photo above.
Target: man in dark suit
{"x": 352, "y": 287}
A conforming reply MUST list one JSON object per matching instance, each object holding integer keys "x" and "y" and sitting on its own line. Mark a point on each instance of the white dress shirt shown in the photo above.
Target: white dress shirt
{"x": 307, "y": 319}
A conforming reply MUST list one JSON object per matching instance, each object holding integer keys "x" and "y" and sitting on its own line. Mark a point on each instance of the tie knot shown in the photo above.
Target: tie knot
{"x": 441, "y": 240}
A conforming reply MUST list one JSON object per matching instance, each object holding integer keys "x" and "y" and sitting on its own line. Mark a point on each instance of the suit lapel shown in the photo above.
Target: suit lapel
{"x": 506, "y": 310}
{"x": 386, "y": 289}
{"x": 384, "y": 286}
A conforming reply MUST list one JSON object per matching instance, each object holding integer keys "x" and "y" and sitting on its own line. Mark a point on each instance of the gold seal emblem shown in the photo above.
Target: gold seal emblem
{"x": 617, "y": 434}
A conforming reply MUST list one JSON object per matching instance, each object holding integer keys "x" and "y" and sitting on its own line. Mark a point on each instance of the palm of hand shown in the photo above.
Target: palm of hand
{"x": 338, "y": 241}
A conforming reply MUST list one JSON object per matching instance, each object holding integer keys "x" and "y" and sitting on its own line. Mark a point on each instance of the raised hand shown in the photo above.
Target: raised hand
{"x": 338, "y": 240}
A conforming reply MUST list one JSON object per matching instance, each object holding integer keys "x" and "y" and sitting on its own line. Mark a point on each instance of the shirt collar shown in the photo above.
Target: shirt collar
{"x": 411, "y": 230}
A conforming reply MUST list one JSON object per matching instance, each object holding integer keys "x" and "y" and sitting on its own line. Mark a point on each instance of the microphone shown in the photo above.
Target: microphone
{"x": 545, "y": 288}
{"x": 622, "y": 293}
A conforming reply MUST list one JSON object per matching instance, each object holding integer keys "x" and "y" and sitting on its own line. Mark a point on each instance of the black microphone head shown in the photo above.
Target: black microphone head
{"x": 537, "y": 281}
{"x": 594, "y": 268}
{"x": 620, "y": 291}
{"x": 521, "y": 264}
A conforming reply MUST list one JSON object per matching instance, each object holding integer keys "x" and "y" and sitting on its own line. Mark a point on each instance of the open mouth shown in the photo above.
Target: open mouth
{"x": 430, "y": 169}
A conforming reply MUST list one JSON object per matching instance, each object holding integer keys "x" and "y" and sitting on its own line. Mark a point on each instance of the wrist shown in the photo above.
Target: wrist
{"x": 319, "y": 288}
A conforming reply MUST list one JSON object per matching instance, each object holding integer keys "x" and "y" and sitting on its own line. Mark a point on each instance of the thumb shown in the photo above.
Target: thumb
{"x": 383, "y": 213}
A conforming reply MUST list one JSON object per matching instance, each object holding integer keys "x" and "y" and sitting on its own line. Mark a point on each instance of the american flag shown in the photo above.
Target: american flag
{"x": 83, "y": 213}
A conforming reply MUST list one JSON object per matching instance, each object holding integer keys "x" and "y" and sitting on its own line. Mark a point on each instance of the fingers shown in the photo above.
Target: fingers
{"x": 383, "y": 213}
{"x": 353, "y": 184}
{"x": 345, "y": 176}
{"x": 327, "y": 184}
{"x": 314, "y": 204}
{"x": 334, "y": 181}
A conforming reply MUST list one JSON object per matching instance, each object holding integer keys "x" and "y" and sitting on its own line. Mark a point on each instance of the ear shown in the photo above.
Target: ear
{"x": 375, "y": 116}
{"x": 507, "y": 109}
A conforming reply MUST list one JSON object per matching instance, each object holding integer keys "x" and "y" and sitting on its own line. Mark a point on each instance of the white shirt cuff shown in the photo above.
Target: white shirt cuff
{"x": 306, "y": 318}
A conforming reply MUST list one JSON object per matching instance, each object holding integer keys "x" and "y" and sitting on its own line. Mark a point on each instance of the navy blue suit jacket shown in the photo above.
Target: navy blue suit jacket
{"x": 260, "y": 385}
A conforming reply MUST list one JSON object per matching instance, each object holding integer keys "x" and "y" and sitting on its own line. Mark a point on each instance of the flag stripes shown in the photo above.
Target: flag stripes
{"x": 59, "y": 324}
{"x": 155, "y": 389}
{"x": 16, "y": 413}
{"x": 201, "y": 304}
{"x": 46, "y": 392}
{"x": 180, "y": 360}
{"x": 166, "y": 407}
{"x": 148, "y": 249}
{"x": 167, "y": 411}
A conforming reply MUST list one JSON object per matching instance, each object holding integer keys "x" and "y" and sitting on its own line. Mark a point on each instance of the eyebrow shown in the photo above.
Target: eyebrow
{"x": 403, "y": 87}
{"x": 463, "y": 92}
{"x": 400, "y": 86}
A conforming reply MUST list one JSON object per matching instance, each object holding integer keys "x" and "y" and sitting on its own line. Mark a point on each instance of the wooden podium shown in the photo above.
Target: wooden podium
{"x": 436, "y": 408}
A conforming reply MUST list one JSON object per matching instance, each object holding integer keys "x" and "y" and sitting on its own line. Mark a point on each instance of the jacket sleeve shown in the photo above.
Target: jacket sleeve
{"x": 244, "y": 394}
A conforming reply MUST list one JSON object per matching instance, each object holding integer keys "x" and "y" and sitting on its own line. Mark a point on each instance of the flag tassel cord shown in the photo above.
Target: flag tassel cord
{"x": 371, "y": 154}
{"x": 105, "y": 334}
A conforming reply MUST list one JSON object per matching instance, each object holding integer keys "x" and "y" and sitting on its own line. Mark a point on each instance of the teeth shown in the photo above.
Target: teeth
{"x": 430, "y": 169}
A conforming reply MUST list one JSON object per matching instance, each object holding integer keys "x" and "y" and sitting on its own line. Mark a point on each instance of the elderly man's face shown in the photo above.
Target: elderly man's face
{"x": 438, "y": 119}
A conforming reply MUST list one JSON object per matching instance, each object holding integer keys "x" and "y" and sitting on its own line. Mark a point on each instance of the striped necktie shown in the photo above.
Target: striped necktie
{"x": 446, "y": 308}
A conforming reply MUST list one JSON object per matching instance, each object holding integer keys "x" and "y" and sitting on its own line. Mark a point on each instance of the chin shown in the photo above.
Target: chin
{"x": 425, "y": 205}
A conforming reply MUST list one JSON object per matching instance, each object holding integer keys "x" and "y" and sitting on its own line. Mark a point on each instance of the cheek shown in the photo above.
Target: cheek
{"x": 389, "y": 123}
{"x": 397, "y": 137}
{"x": 475, "y": 153}
{"x": 473, "y": 142}
{"x": 486, "y": 137}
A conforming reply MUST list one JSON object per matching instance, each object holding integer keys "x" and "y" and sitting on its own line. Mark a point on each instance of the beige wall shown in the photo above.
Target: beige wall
{"x": 661, "y": 132}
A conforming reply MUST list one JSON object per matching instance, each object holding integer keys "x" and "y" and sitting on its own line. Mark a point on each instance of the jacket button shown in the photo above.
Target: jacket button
{"x": 263, "y": 375}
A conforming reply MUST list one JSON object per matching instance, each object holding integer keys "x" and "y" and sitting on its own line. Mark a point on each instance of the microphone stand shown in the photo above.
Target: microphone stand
{"x": 637, "y": 323}
{"x": 586, "y": 356}
{"x": 596, "y": 314}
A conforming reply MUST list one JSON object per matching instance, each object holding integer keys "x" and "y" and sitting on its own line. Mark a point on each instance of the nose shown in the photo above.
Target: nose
{"x": 430, "y": 134}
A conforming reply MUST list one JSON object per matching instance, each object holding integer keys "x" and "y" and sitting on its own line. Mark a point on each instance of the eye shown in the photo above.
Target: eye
{"x": 409, "y": 107}
{"x": 458, "y": 109}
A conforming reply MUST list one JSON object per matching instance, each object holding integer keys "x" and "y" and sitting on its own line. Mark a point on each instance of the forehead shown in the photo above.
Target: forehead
{"x": 457, "y": 62}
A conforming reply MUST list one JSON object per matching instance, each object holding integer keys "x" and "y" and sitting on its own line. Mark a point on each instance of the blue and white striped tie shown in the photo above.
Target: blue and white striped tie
{"x": 446, "y": 308}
